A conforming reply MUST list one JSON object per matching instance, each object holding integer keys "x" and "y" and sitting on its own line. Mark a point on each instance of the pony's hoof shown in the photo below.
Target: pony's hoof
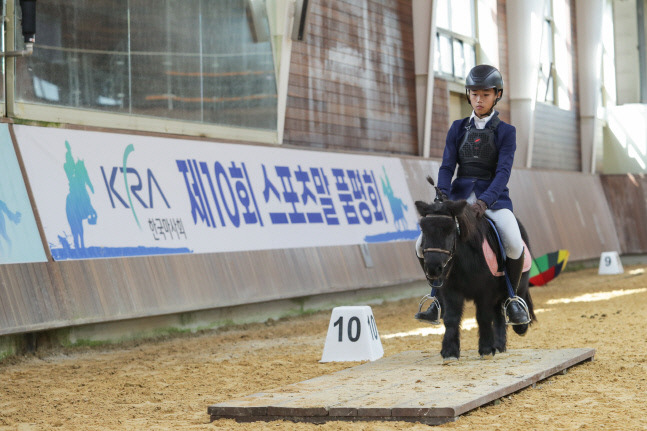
{"x": 487, "y": 356}
{"x": 450, "y": 360}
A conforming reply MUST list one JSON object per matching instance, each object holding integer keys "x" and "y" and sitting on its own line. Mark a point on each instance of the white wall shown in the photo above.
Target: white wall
{"x": 625, "y": 139}
{"x": 626, "y": 50}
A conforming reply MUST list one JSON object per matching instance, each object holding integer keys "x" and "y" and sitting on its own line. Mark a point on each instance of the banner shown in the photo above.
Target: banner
{"x": 111, "y": 195}
{"x": 20, "y": 241}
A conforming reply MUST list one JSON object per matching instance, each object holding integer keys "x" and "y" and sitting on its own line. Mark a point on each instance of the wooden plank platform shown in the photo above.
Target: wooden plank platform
{"x": 411, "y": 386}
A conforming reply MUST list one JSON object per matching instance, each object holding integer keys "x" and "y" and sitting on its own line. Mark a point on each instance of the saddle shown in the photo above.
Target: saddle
{"x": 494, "y": 256}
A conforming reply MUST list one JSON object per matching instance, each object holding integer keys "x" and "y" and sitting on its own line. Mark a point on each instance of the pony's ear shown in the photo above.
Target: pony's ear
{"x": 422, "y": 207}
{"x": 456, "y": 207}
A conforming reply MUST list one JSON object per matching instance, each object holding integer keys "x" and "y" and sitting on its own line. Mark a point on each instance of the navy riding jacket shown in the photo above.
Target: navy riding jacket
{"x": 494, "y": 192}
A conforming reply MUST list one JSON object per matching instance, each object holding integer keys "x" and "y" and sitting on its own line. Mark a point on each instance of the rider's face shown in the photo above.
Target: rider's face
{"x": 482, "y": 101}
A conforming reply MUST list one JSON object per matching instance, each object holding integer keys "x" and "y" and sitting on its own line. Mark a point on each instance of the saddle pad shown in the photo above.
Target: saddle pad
{"x": 490, "y": 258}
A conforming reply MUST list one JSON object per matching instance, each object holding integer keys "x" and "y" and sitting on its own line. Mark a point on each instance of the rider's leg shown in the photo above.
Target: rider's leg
{"x": 432, "y": 313}
{"x": 508, "y": 227}
{"x": 517, "y": 313}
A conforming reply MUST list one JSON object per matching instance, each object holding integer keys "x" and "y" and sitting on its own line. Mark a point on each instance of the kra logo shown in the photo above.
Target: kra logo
{"x": 129, "y": 182}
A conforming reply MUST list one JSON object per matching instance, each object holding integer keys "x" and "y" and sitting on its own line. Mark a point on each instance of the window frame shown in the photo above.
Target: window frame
{"x": 38, "y": 113}
{"x": 550, "y": 78}
{"x": 453, "y": 38}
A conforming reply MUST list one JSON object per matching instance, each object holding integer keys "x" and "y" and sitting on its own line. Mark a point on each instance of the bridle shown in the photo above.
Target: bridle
{"x": 450, "y": 253}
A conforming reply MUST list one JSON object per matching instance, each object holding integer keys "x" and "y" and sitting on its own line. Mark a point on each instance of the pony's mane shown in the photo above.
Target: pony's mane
{"x": 472, "y": 229}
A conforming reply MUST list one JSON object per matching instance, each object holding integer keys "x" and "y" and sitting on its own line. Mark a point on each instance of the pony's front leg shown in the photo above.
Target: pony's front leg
{"x": 451, "y": 349}
{"x": 500, "y": 329}
{"x": 484, "y": 318}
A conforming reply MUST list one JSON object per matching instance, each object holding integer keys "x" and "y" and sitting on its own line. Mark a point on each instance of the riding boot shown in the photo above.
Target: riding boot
{"x": 514, "y": 307}
{"x": 433, "y": 313}
{"x": 430, "y": 315}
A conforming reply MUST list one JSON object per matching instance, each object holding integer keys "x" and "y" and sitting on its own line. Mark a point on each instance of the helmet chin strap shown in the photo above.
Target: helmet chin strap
{"x": 486, "y": 114}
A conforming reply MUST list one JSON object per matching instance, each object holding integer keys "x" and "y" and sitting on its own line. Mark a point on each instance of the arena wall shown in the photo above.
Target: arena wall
{"x": 54, "y": 294}
{"x": 627, "y": 199}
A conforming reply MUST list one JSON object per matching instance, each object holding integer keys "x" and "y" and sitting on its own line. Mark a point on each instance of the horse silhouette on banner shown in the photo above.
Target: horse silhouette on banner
{"x": 397, "y": 206}
{"x": 77, "y": 204}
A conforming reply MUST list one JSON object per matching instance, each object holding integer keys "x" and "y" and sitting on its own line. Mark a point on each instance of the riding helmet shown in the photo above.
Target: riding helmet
{"x": 482, "y": 77}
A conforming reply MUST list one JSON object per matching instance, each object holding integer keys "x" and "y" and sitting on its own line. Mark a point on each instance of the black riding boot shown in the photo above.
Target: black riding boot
{"x": 433, "y": 313}
{"x": 517, "y": 313}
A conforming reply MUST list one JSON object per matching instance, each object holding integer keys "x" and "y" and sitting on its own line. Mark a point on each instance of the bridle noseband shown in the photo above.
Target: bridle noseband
{"x": 450, "y": 253}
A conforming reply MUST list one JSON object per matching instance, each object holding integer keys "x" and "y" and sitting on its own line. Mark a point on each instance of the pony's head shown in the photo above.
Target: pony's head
{"x": 443, "y": 224}
{"x": 441, "y": 231}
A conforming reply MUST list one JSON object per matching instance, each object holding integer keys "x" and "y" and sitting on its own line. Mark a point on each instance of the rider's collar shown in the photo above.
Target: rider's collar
{"x": 481, "y": 122}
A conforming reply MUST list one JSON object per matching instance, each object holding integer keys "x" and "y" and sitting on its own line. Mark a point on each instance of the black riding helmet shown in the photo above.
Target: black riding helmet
{"x": 482, "y": 77}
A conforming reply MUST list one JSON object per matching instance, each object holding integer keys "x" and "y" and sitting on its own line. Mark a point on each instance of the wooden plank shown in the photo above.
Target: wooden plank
{"x": 369, "y": 13}
{"x": 350, "y": 110}
{"x": 409, "y": 386}
{"x": 301, "y": 86}
{"x": 337, "y": 71}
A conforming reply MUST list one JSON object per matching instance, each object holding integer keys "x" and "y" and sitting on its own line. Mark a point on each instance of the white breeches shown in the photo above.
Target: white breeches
{"x": 508, "y": 228}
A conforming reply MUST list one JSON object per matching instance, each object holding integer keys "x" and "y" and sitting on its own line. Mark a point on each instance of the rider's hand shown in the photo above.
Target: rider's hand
{"x": 479, "y": 208}
{"x": 440, "y": 197}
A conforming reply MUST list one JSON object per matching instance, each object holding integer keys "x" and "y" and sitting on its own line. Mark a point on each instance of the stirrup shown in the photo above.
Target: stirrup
{"x": 523, "y": 305}
{"x": 433, "y": 300}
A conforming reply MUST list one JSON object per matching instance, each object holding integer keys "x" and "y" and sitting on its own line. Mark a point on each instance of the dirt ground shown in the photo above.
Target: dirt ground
{"x": 168, "y": 384}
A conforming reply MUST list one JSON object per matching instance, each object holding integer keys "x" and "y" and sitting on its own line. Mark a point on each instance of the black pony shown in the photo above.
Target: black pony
{"x": 453, "y": 257}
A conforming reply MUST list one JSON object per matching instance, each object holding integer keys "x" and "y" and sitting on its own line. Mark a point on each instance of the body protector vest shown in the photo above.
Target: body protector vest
{"x": 477, "y": 154}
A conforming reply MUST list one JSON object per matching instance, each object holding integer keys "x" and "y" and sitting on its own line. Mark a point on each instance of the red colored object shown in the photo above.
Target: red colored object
{"x": 547, "y": 267}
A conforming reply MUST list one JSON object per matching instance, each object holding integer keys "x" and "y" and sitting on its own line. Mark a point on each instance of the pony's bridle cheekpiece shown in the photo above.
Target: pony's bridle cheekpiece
{"x": 450, "y": 253}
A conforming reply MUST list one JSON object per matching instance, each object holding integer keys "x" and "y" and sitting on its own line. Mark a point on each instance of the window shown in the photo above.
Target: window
{"x": 185, "y": 60}
{"x": 545, "y": 86}
{"x": 455, "y": 38}
{"x": 556, "y": 83}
